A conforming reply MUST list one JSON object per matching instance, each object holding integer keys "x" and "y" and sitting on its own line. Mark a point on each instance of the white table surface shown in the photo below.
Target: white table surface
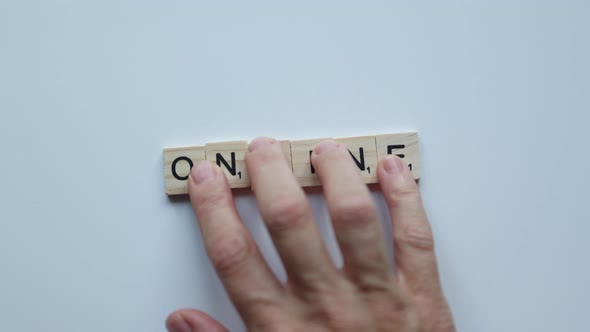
{"x": 90, "y": 94}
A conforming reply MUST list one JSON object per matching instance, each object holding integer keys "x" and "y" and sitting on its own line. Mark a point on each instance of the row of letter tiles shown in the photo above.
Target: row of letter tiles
{"x": 366, "y": 151}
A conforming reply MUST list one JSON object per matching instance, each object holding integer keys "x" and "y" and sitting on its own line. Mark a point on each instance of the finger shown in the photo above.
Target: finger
{"x": 238, "y": 262}
{"x": 354, "y": 216}
{"x": 414, "y": 248}
{"x": 191, "y": 320}
{"x": 287, "y": 214}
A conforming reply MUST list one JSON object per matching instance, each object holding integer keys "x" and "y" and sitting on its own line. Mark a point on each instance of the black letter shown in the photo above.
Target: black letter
{"x": 360, "y": 164}
{"x": 219, "y": 159}
{"x": 312, "y": 169}
{"x": 397, "y": 146}
{"x": 175, "y": 174}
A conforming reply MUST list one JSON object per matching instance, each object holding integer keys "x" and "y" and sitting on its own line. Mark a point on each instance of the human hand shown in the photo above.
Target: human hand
{"x": 365, "y": 295}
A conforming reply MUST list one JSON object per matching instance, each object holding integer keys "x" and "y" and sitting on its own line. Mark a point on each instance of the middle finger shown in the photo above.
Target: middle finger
{"x": 287, "y": 214}
{"x": 354, "y": 216}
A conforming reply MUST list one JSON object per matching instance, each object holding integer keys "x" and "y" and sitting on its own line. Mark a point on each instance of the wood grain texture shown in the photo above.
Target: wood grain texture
{"x": 230, "y": 156}
{"x": 177, "y": 166}
{"x": 364, "y": 154}
{"x": 286, "y": 147}
{"x": 366, "y": 151}
{"x": 405, "y": 145}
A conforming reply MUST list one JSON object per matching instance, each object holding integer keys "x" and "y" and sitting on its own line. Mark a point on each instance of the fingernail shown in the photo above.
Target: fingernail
{"x": 326, "y": 146}
{"x": 260, "y": 141}
{"x": 393, "y": 165}
{"x": 178, "y": 324}
{"x": 202, "y": 172}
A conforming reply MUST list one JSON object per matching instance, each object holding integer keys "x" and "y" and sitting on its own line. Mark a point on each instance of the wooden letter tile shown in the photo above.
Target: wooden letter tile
{"x": 364, "y": 154}
{"x": 177, "y": 166}
{"x": 230, "y": 157}
{"x": 286, "y": 147}
{"x": 302, "y": 168}
{"x": 405, "y": 145}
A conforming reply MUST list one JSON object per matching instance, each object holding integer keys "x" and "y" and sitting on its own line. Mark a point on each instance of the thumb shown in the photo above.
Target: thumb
{"x": 191, "y": 320}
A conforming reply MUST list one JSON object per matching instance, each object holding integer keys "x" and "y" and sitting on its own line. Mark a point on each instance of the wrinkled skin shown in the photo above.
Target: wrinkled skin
{"x": 363, "y": 295}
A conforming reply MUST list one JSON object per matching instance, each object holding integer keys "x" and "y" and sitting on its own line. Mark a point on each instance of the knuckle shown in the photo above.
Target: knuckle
{"x": 267, "y": 307}
{"x": 286, "y": 212}
{"x": 354, "y": 210}
{"x": 405, "y": 194}
{"x": 417, "y": 236}
{"x": 271, "y": 325}
{"x": 230, "y": 253}
{"x": 390, "y": 306}
{"x": 340, "y": 317}
{"x": 269, "y": 154}
{"x": 375, "y": 285}
{"x": 337, "y": 306}
{"x": 213, "y": 199}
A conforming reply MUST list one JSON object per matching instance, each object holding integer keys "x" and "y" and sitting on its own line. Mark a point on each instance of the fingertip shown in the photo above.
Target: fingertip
{"x": 202, "y": 172}
{"x": 207, "y": 180}
{"x": 191, "y": 320}
{"x": 325, "y": 146}
{"x": 176, "y": 323}
{"x": 392, "y": 164}
{"x": 394, "y": 170}
{"x": 259, "y": 142}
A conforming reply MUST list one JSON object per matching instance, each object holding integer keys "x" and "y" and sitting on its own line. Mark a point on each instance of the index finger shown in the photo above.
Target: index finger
{"x": 247, "y": 278}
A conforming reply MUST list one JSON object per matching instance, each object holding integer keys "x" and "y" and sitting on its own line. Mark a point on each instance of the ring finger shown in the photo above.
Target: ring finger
{"x": 354, "y": 216}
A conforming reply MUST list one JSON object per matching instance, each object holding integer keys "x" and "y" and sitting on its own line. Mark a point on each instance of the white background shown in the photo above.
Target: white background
{"x": 90, "y": 94}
